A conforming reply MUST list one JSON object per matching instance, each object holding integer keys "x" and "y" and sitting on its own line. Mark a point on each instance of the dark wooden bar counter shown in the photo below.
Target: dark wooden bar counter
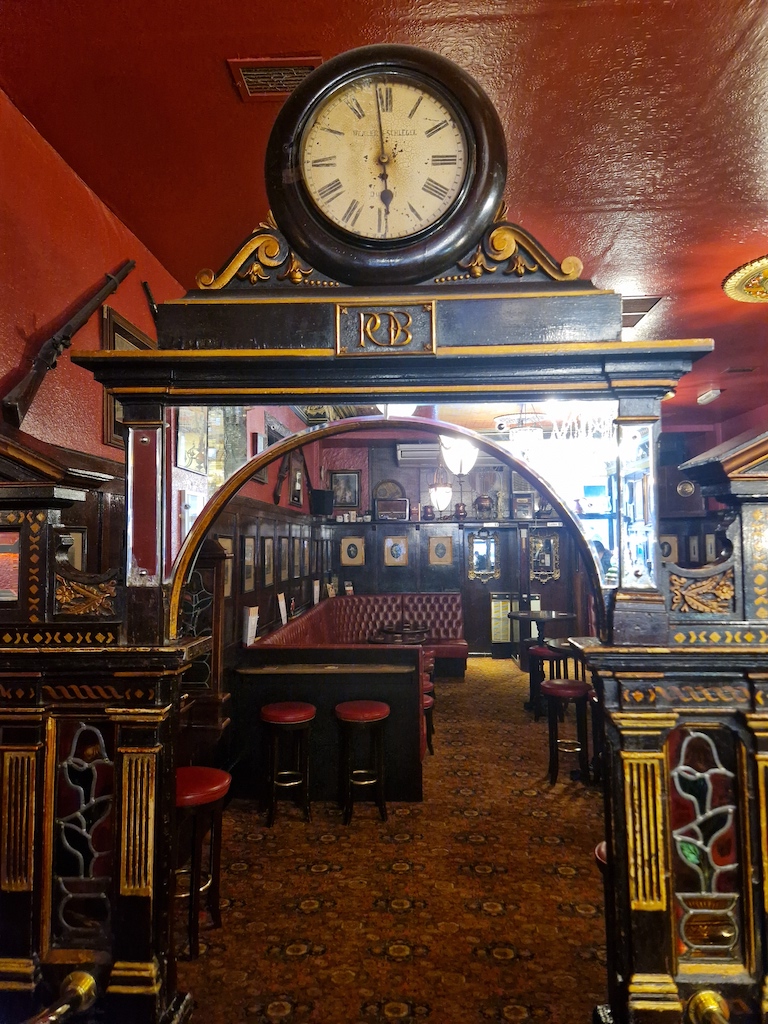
{"x": 325, "y": 685}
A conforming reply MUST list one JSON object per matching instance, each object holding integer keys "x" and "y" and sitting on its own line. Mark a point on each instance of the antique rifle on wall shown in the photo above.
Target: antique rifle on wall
{"x": 18, "y": 400}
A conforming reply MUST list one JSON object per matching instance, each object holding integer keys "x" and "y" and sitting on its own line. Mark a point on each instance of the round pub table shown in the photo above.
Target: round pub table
{"x": 542, "y": 618}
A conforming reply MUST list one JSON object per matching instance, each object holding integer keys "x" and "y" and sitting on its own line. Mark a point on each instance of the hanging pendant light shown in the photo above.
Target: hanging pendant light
{"x": 459, "y": 454}
{"x": 440, "y": 492}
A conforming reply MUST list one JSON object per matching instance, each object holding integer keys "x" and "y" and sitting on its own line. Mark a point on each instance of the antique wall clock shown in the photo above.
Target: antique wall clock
{"x": 385, "y": 165}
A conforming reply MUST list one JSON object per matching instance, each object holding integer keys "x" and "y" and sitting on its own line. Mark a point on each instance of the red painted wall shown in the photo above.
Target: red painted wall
{"x": 57, "y": 241}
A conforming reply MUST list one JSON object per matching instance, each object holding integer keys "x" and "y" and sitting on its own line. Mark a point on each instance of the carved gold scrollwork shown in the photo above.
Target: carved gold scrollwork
{"x": 78, "y": 598}
{"x": 138, "y": 824}
{"x": 645, "y": 830}
{"x": 265, "y": 250}
{"x": 714, "y": 594}
{"x": 510, "y": 244}
{"x": 16, "y": 870}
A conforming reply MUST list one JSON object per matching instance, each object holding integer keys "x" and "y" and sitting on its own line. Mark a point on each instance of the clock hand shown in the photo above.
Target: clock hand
{"x": 386, "y": 195}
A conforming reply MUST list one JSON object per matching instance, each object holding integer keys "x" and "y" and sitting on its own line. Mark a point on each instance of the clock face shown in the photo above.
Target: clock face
{"x": 385, "y": 165}
{"x": 384, "y": 156}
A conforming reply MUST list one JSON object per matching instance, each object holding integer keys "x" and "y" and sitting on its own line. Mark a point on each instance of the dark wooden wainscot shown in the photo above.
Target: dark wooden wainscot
{"x": 325, "y": 677}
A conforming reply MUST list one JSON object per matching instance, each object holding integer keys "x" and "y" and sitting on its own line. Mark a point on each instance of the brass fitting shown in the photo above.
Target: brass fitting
{"x": 707, "y": 1007}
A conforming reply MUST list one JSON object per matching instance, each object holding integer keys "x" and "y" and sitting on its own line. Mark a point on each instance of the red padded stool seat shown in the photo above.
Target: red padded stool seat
{"x": 361, "y": 716}
{"x": 288, "y": 723}
{"x": 538, "y": 656}
{"x": 428, "y": 706}
{"x": 558, "y": 692}
{"x": 200, "y": 794}
{"x": 427, "y": 686}
{"x": 601, "y": 856}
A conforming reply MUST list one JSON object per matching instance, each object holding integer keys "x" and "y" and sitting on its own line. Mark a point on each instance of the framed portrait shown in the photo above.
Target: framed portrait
{"x": 249, "y": 564}
{"x": 305, "y": 557}
{"x": 441, "y": 550}
{"x": 522, "y": 506}
{"x": 297, "y": 479}
{"x": 268, "y": 560}
{"x": 118, "y": 335}
{"x": 229, "y": 546}
{"x": 395, "y": 551}
{"x": 192, "y": 439}
{"x": 296, "y": 557}
{"x": 346, "y": 489}
{"x": 283, "y": 551}
{"x": 352, "y": 551}
{"x": 259, "y": 445}
{"x": 668, "y": 548}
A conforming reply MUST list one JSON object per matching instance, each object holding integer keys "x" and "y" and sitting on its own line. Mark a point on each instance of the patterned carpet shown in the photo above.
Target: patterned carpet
{"x": 480, "y": 904}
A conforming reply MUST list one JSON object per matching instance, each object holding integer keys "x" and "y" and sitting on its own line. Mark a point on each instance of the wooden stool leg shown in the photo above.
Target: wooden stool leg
{"x": 553, "y": 713}
{"x": 345, "y": 763}
{"x": 195, "y": 880}
{"x": 215, "y": 865}
{"x": 304, "y": 769}
{"x": 378, "y": 741}
{"x": 581, "y": 735}
{"x": 274, "y": 767}
{"x": 430, "y": 729}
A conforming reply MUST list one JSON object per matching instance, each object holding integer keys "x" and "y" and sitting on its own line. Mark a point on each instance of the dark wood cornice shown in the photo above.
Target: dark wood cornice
{"x": 26, "y": 458}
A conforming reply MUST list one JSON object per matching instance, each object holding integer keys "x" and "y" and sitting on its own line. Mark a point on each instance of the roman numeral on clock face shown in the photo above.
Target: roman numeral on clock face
{"x": 330, "y": 190}
{"x": 385, "y": 97}
{"x": 435, "y": 129}
{"x": 330, "y": 161}
{"x": 352, "y": 212}
{"x": 447, "y": 160}
{"x": 355, "y": 107}
{"x": 434, "y": 188}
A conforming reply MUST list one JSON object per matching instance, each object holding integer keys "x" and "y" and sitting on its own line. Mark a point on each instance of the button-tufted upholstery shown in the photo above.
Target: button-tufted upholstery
{"x": 354, "y": 620}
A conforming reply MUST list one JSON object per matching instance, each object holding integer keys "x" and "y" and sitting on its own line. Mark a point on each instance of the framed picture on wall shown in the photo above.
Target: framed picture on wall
{"x": 283, "y": 551}
{"x": 441, "y": 550}
{"x": 395, "y": 551}
{"x": 118, "y": 335}
{"x": 297, "y": 479}
{"x": 296, "y": 557}
{"x": 249, "y": 564}
{"x": 352, "y": 551}
{"x": 268, "y": 560}
{"x": 305, "y": 557}
{"x": 346, "y": 489}
{"x": 229, "y": 546}
{"x": 259, "y": 445}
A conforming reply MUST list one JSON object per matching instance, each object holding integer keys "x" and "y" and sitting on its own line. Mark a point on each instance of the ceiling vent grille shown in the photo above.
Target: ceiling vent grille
{"x": 270, "y": 78}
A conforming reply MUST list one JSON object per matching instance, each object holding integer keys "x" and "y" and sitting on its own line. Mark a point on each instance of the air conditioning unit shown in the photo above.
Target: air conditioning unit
{"x": 427, "y": 456}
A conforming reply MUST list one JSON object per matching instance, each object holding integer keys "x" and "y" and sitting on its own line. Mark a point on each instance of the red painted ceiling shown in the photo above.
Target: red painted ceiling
{"x": 637, "y": 135}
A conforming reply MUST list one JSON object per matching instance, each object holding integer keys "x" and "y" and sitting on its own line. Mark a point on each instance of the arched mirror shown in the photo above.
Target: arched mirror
{"x": 483, "y": 555}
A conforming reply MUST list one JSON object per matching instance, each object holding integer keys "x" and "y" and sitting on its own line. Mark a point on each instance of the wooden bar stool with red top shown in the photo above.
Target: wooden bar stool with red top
{"x": 558, "y": 692}
{"x": 358, "y": 717}
{"x": 288, "y": 768}
{"x": 200, "y": 794}
{"x": 539, "y": 656}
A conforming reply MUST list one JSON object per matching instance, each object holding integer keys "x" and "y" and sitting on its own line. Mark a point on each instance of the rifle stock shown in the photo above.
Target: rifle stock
{"x": 18, "y": 400}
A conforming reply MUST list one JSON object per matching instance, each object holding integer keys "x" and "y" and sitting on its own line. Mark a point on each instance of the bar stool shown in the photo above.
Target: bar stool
{"x": 357, "y": 717}
{"x": 288, "y": 723}
{"x": 540, "y": 655}
{"x": 558, "y": 692}
{"x": 428, "y": 706}
{"x": 200, "y": 794}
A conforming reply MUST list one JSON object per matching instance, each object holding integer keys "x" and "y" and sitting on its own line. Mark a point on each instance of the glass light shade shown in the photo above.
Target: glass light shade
{"x": 459, "y": 455}
{"x": 440, "y": 496}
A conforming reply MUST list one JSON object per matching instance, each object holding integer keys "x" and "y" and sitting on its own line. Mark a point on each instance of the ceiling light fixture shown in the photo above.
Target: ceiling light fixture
{"x": 708, "y": 396}
{"x": 441, "y": 492}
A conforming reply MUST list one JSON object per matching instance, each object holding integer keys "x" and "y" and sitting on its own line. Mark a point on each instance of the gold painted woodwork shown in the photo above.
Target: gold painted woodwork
{"x": 762, "y": 786}
{"x": 645, "y": 830}
{"x": 134, "y": 978}
{"x": 712, "y": 595}
{"x": 137, "y": 826}
{"x": 269, "y": 249}
{"x": 18, "y": 824}
{"x": 76, "y": 598}
{"x": 62, "y": 636}
{"x": 18, "y": 974}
